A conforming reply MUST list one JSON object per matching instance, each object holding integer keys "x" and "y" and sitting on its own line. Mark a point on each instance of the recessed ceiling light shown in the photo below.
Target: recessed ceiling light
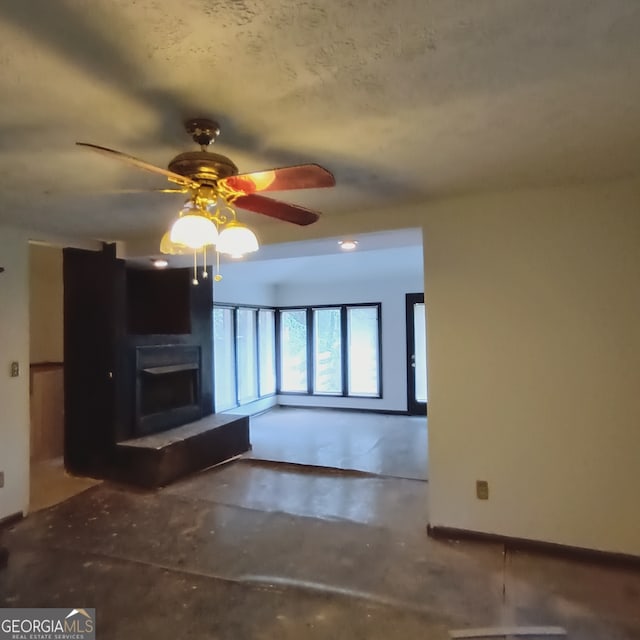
{"x": 348, "y": 245}
{"x": 160, "y": 263}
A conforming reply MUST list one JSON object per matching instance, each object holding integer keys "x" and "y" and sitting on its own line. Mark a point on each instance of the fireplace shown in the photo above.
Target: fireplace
{"x": 167, "y": 387}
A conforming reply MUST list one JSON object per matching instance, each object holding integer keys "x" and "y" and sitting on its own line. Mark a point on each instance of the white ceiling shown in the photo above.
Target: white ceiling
{"x": 402, "y": 100}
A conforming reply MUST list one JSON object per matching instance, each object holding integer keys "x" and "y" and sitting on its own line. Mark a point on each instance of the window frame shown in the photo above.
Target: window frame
{"x": 275, "y": 354}
{"x": 343, "y": 350}
{"x": 256, "y": 321}
{"x": 309, "y": 345}
{"x": 343, "y": 353}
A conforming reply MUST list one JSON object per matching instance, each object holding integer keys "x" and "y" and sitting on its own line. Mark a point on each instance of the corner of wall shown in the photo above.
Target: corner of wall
{"x": 14, "y": 391}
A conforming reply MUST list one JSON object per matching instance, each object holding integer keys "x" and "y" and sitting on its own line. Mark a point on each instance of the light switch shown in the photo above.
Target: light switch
{"x": 15, "y": 369}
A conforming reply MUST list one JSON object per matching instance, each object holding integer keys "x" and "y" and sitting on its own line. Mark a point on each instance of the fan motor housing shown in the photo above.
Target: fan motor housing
{"x": 203, "y": 167}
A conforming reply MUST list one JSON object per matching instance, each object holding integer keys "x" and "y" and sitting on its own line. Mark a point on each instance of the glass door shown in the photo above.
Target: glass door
{"x": 416, "y": 354}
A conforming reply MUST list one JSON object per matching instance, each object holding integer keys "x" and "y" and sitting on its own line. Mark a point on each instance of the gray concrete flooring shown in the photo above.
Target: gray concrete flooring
{"x": 318, "y": 533}
{"x": 247, "y": 550}
{"x": 387, "y": 445}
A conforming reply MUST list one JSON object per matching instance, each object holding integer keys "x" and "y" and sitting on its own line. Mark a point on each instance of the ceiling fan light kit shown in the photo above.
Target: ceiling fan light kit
{"x": 236, "y": 240}
{"x": 208, "y": 218}
{"x": 194, "y": 230}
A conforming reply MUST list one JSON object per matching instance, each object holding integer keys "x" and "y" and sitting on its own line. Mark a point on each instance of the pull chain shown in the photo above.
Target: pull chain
{"x": 205, "y": 273}
{"x": 195, "y": 266}
{"x": 217, "y": 277}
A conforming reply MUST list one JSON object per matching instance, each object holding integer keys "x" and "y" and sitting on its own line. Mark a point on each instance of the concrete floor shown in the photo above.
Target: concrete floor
{"x": 243, "y": 551}
{"x": 388, "y": 445}
{"x": 247, "y": 551}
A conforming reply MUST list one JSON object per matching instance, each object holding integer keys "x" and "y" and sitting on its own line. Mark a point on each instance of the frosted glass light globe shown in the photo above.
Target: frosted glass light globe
{"x": 194, "y": 231}
{"x": 236, "y": 240}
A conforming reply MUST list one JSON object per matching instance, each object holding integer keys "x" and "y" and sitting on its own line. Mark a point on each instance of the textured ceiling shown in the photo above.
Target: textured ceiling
{"x": 403, "y": 99}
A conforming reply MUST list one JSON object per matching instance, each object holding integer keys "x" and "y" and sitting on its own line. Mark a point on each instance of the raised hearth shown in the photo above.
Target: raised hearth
{"x": 158, "y": 459}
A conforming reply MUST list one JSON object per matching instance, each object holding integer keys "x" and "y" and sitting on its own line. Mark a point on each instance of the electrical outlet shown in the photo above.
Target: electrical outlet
{"x": 15, "y": 369}
{"x": 482, "y": 489}
{"x": 1, "y": 479}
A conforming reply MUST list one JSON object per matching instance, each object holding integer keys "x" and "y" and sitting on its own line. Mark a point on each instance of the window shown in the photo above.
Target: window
{"x": 243, "y": 355}
{"x": 224, "y": 359}
{"x": 362, "y": 336}
{"x": 337, "y": 348}
{"x": 293, "y": 350}
{"x": 247, "y": 356}
{"x": 327, "y": 351}
{"x": 267, "y": 351}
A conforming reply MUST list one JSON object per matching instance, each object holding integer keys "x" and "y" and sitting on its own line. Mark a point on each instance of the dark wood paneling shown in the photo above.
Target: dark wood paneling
{"x": 100, "y": 354}
{"x": 159, "y": 302}
{"x": 93, "y": 322}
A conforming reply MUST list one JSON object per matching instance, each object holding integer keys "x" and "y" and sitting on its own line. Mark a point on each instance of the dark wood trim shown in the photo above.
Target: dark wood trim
{"x": 380, "y": 367}
{"x": 311, "y": 365}
{"x": 10, "y": 520}
{"x": 278, "y": 355}
{"x": 537, "y": 546}
{"x": 256, "y": 334}
{"x": 344, "y": 350}
{"x": 234, "y": 339}
{"x": 302, "y": 307}
{"x": 388, "y": 412}
{"x": 229, "y": 305}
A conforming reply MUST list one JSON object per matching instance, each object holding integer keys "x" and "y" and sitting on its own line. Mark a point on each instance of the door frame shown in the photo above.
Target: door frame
{"x": 414, "y": 408}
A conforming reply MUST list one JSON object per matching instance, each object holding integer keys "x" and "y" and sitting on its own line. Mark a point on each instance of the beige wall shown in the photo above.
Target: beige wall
{"x": 533, "y": 303}
{"x": 14, "y": 392}
{"x": 45, "y": 304}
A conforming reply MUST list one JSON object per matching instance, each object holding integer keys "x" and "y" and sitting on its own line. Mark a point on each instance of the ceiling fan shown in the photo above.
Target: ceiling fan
{"x": 209, "y": 177}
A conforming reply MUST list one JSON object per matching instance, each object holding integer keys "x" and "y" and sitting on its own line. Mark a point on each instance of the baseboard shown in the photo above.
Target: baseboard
{"x": 388, "y": 412}
{"x": 538, "y": 546}
{"x": 10, "y": 520}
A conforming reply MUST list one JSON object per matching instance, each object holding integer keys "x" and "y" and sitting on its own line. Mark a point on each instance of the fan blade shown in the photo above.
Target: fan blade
{"x": 141, "y": 164}
{"x": 302, "y": 176}
{"x": 276, "y": 209}
{"x": 183, "y": 190}
{"x": 118, "y": 192}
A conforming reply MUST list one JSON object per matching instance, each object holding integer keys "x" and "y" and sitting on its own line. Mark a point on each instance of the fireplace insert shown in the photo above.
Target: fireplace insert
{"x": 167, "y": 387}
